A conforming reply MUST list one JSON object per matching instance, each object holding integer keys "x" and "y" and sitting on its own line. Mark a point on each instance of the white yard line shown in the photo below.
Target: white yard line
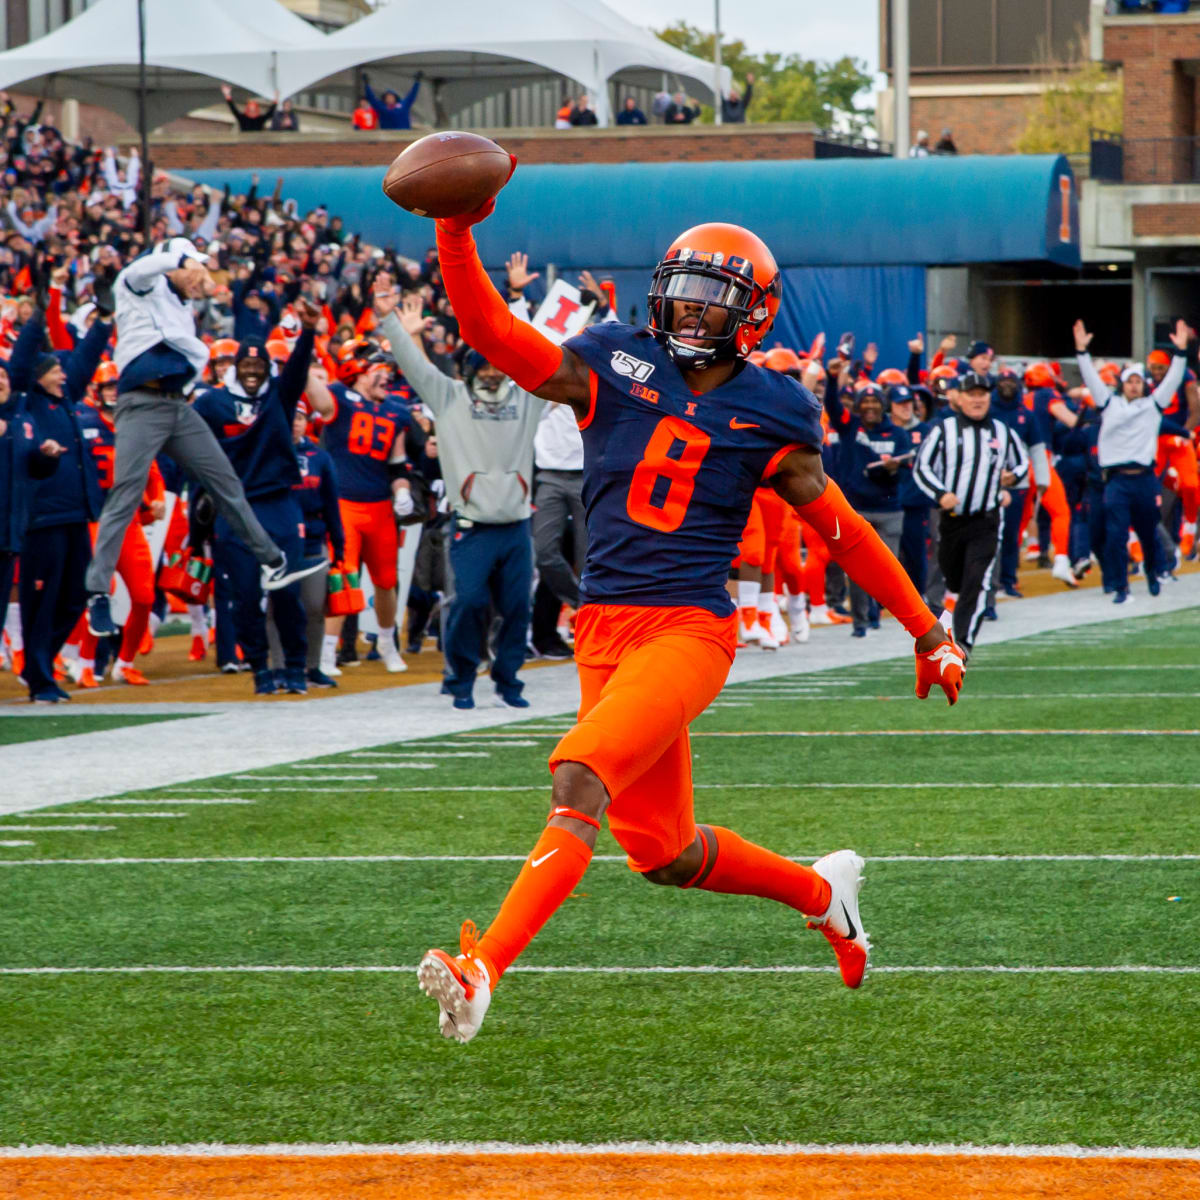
{"x": 596, "y": 858}
{"x": 782, "y": 969}
{"x": 682, "y": 1149}
{"x": 393, "y": 756}
{"x": 90, "y": 766}
{"x": 11, "y": 844}
{"x": 404, "y": 764}
{"x": 108, "y": 816}
{"x": 292, "y": 778}
{"x": 189, "y": 800}
{"x": 808, "y": 785}
{"x": 57, "y": 828}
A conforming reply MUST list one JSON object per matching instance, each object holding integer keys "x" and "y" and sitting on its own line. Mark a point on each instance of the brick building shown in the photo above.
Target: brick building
{"x": 978, "y": 66}
{"x": 1142, "y": 204}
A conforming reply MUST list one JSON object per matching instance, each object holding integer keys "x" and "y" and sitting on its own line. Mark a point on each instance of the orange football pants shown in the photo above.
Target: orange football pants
{"x": 136, "y": 568}
{"x": 1054, "y": 501}
{"x": 371, "y": 538}
{"x": 752, "y": 548}
{"x": 645, "y": 674}
{"x": 1177, "y": 463}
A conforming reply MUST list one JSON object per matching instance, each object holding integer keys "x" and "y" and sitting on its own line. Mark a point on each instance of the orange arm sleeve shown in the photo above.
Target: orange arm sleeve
{"x": 860, "y": 552}
{"x": 60, "y": 339}
{"x": 510, "y": 345}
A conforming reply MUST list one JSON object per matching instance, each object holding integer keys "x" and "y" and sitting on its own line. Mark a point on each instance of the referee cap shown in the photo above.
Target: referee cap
{"x": 972, "y": 381}
{"x": 1134, "y": 369}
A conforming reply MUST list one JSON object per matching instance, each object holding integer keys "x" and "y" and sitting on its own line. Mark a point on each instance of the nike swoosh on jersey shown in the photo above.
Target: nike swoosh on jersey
{"x": 537, "y": 862}
{"x": 734, "y": 423}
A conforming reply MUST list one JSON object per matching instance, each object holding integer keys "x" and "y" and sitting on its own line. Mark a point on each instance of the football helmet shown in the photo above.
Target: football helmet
{"x": 892, "y": 377}
{"x": 784, "y": 360}
{"x": 278, "y": 350}
{"x": 223, "y": 348}
{"x": 714, "y": 266}
{"x": 1039, "y": 375}
{"x": 942, "y": 378}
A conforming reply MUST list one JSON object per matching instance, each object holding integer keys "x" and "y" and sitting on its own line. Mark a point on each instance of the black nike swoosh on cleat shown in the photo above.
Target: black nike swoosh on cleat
{"x": 853, "y": 932}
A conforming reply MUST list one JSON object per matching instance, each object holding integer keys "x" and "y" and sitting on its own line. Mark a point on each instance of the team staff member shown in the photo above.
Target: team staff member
{"x": 1127, "y": 447}
{"x": 870, "y": 451}
{"x": 252, "y": 418}
{"x": 318, "y": 497}
{"x": 160, "y": 357}
{"x": 24, "y": 459}
{"x": 57, "y": 544}
{"x": 1008, "y": 406}
{"x": 965, "y": 466}
{"x": 486, "y": 428}
{"x": 914, "y": 536}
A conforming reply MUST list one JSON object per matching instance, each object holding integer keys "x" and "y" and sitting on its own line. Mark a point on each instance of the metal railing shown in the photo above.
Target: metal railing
{"x": 1117, "y": 159}
{"x": 829, "y": 144}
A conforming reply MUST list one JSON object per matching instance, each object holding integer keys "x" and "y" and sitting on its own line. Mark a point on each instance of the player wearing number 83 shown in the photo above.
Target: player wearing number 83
{"x": 678, "y": 430}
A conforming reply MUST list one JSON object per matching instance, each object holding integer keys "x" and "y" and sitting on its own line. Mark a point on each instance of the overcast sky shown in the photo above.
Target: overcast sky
{"x": 814, "y": 28}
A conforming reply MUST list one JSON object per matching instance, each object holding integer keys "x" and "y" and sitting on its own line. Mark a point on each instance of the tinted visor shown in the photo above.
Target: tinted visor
{"x": 706, "y": 289}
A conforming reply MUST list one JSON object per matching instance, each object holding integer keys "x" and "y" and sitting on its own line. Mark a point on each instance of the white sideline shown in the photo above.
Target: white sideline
{"x": 596, "y": 858}
{"x": 683, "y": 1149}
{"x": 292, "y": 969}
{"x": 90, "y": 766}
{"x": 807, "y": 786}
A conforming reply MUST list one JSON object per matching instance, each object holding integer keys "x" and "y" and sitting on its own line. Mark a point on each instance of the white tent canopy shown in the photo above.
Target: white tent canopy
{"x": 478, "y": 48}
{"x": 190, "y": 48}
{"x": 489, "y": 47}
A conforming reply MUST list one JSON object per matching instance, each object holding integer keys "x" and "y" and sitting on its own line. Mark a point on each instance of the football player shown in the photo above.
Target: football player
{"x": 678, "y": 430}
{"x": 364, "y": 433}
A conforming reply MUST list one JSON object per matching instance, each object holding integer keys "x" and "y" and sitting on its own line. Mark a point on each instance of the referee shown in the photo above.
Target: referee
{"x": 965, "y": 464}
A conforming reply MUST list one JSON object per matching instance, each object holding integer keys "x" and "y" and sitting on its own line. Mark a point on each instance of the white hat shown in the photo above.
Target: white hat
{"x": 182, "y": 248}
{"x": 1134, "y": 369}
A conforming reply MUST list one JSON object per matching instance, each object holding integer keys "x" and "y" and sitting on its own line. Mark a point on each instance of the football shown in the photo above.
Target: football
{"x": 447, "y": 174}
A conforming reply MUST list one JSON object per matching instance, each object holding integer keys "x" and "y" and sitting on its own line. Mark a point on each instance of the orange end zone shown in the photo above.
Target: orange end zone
{"x": 369, "y": 1176}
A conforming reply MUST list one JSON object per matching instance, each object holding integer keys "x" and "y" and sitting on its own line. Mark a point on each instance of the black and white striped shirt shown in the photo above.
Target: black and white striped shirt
{"x": 967, "y": 458}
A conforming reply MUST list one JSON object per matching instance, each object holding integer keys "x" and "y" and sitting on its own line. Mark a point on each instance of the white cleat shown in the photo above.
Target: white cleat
{"x": 1061, "y": 570}
{"x": 820, "y": 615}
{"x": 460, "y": 986}
{"x": 779, "y": 629}
{"x": 391, "y": 657}
{"x": 329, "y": 666}
{"x": 800, "y": 626}
{"x": 841, "y": 923}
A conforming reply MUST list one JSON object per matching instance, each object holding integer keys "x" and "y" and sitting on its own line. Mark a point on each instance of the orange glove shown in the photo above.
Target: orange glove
{"x": 943, "y": 666}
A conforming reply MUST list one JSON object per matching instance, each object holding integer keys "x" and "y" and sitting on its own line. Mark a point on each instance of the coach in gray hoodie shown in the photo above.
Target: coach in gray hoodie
{"x": 485, "y": 429}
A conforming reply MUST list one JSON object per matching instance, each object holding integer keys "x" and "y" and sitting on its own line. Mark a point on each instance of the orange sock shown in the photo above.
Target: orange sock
{"x": 741, "y": 868}
{"x": 550, "y": 873}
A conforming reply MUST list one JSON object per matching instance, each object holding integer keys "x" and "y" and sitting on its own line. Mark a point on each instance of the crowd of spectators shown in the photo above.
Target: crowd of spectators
{"x": 71, "y": 219}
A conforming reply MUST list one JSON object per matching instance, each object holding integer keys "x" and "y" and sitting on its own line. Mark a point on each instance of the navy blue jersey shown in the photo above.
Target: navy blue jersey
{"x": 256, "y": 432}
{"x": 72, "y": 493}
{"x": 669, "y": 476}
{"x": 911, "y": 496}
{"x": 1016, "y": 416}
{"x": 318, "y": 495}
{"x": 359, "y": 437}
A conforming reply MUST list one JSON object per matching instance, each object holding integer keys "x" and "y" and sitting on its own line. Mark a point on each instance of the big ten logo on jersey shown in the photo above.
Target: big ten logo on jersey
{"x": 563, "y": 313}
{"x": 633, "y": 368}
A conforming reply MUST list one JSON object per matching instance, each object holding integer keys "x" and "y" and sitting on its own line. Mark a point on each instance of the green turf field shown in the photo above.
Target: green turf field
{"x": 1062, "y": 746}
{"x": 36, "y": 729}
